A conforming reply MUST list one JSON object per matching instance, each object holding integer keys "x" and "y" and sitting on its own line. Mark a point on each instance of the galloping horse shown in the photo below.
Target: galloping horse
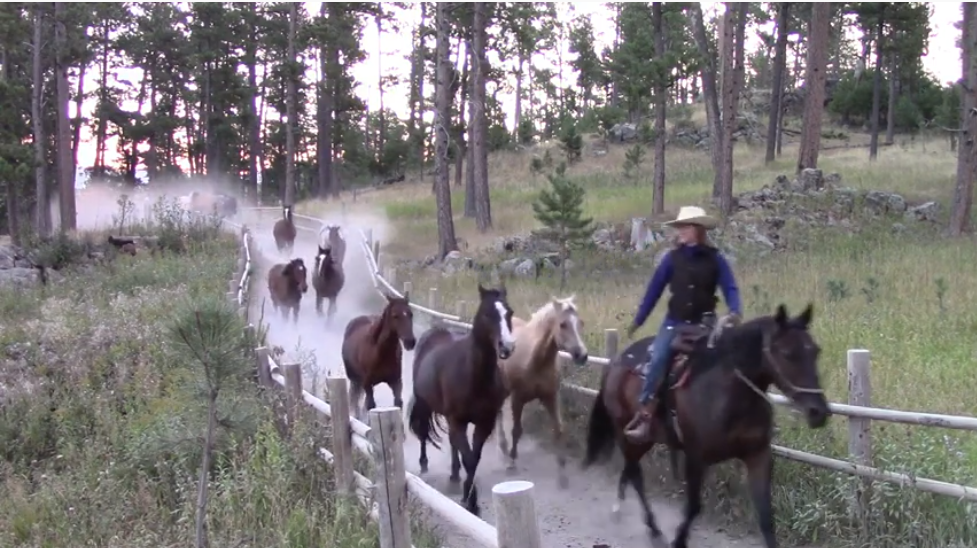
{"x": 532, "y": 371}
{"x": 328, "y": 279}
{"x": 460, "y": 379}
{"x": 713, "y": 406}
{"x": 286, "y": 284}
{"x": 284, "y": 232}
{"x": 372, "y": 354}
{"x": 334, "y": 240}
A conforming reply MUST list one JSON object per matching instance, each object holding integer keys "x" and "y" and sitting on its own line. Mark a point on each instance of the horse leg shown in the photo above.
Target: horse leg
{"x": 500, "y": 428}
{"x": 622, "y": 484}
{"x": 759, "y": 471}
{"x": 458, "y": 434}
{"x": 318, "y": 303}
{"x": 694, "y": 475}
{"x": 470, "y": 491}
{"x": 517, "y": 406}
{"x": 332, "y": 307}
{"x": 552, "y": 406}
{"x": 354, "y": 400}
{"x": 397, "y": 388}
{"x": 295, "y": 313}
{"x": 370, "y": 402}
{"x": 632, "y": 471}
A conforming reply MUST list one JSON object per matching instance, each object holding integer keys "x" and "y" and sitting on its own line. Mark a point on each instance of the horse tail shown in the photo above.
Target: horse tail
{"x": 423, "y": 422}
{"x": 600, "y": 430}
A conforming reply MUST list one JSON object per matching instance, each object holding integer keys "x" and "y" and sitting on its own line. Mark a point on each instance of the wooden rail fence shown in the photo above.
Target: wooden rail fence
{"x": 382, "y": 441}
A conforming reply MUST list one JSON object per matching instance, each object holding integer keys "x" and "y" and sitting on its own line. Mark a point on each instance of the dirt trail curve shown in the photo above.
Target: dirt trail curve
{"x": 576, "y": 517}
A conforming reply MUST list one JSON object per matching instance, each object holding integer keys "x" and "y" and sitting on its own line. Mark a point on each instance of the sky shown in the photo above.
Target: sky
{"x": 388, "y": 54}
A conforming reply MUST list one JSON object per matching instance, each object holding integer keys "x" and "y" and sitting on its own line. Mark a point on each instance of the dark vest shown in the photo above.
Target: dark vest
{"x": 695, "y": 277}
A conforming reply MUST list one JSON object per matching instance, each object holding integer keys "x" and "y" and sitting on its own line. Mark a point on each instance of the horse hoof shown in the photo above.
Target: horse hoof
{"x": 511, "y": 469}
{"x": 616, "y": 513}
{"x": 658, "y": 540}
{"x": 564, "y": 482}
{"x": 454, "y": 486}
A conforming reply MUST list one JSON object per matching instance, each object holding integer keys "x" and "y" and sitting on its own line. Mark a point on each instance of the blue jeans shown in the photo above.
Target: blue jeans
{"x": 661, "y": 352}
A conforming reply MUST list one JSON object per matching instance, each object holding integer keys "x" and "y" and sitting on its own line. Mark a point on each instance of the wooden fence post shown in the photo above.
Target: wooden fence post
{"x": 293, "y": 390}
{"x": 408, "y": 287}
{"x": 432, "y": 298}
{"x": 461, "y": 310}
{"x": 249, "y": 336}
{"x": 859, "y": 429}
{"x": 516, "y": 525}
{"x": 376, "y": 252}
{"x": 392, "y": 273}
{"x": 263, "y": 365}
{"x": 369, "y": 238}
{"x": 387, "y": 426}
{"x": 610, "y": 343}
{"x": 342, "y": 448}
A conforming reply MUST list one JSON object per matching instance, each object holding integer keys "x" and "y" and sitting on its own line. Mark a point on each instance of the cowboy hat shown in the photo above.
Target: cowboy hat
{"x": 693, "y": 215}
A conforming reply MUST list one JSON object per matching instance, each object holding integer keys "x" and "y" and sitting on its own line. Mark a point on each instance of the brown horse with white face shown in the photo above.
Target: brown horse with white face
{"x": 286, "y": 285}
{"x": 372, "y": 351}
{"x": 284, "y": 232}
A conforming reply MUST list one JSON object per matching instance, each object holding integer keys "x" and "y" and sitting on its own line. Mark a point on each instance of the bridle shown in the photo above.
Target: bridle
{"x": 776, "y": 366}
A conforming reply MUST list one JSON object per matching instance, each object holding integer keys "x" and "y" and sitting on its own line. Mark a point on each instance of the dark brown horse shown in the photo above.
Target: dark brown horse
{"x": 713, "y": 407}
{"x": 286, "y": 284}
{"x": 284, "y": 232}
{"x": 328, "y": 280}
{"x": 372, "y": 353}
{"x": 459, "y": 378}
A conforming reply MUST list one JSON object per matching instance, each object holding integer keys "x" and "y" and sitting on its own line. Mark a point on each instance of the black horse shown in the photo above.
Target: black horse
{"x": 713, "y": 407}
{"x": 459, "y": 378}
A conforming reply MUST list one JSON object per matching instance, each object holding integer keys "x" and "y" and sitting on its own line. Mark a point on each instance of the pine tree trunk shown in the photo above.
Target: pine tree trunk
{"x": 658, "y": 178}
{"x": 817, "y": 64}
{"x": 66, "y": 165}
{"x": 469, "y": 211}
{"x": 873, "y": 146}
{"x": 461, "y": 146}
{"x": 446, "y": 226}
{"x": 710, "y": 92}
{"x": 12, "y": 196}
{"x": 291, "y": 107}
{"x": 324, "y": 108}
{"x": 734, "y": 21}
{"x": 777, "y": 86}
{"x": 483, "y": 208}
{"x": 963, "y": 193}
{"x": 254, "y": 121}
{"x": 517, "y": 116}
{"x": 42, "y": 213}
{"x": 890, "y": 118}
{"x": 422, "y": 133}
{"x": 101, "y": 128}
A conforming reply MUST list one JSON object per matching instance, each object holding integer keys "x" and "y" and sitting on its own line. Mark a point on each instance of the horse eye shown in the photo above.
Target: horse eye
{"x": 564, "y": 325}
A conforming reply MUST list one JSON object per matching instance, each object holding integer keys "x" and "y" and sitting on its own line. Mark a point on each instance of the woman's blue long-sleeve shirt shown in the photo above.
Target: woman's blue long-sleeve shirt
{"x": 663, "y": 275}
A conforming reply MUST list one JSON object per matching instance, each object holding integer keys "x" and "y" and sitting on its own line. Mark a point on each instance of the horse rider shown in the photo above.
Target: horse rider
{"x": 692, "y": 270}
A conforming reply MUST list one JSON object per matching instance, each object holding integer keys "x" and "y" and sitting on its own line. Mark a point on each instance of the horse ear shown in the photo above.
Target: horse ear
{"x": 390, "y": 298}
{"x": 805, "y": 318}
{"x": 781, "y": 316}
{"x": 481, "y": 290}
{"x": 407, "y": 296}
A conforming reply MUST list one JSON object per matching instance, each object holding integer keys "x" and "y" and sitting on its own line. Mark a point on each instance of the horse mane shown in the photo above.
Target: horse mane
{"x": 738, "y": 347}
{"x": 549, "y": 310}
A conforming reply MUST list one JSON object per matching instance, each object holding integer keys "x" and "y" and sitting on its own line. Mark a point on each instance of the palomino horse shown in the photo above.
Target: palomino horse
{"x": 284, "y": 232}
{"x": 372, "y": 354}
{"x": 532, "y": 371}
{"x": 713, "y": 407}
{"x": 460, "y": 379}
{"x": 335, "y": 241}
{"x": 286, "y": 284}
{"x": 328, "y": 280}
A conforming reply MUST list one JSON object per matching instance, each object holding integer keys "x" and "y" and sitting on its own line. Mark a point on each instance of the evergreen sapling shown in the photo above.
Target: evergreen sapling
{"x": 560, "y": 210}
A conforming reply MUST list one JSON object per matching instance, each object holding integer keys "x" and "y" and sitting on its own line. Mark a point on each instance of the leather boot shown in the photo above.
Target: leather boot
{"x": 639, "y": 429}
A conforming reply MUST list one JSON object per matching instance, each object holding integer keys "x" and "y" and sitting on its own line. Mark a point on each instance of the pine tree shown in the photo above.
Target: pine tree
{"x": 560, "y": 210}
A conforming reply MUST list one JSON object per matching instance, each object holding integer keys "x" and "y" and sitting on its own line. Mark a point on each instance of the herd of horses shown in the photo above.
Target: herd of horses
{"x": 712, "y": 405}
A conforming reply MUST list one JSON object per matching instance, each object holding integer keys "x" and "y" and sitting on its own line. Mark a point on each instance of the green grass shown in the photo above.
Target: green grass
{"x": 908, "y": 296}
{"x": 102, "y": 417}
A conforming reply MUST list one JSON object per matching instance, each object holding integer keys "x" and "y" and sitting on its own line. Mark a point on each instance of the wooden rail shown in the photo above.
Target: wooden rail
{"x": 382, "y": 441}
{"x": 858, "y": 409}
